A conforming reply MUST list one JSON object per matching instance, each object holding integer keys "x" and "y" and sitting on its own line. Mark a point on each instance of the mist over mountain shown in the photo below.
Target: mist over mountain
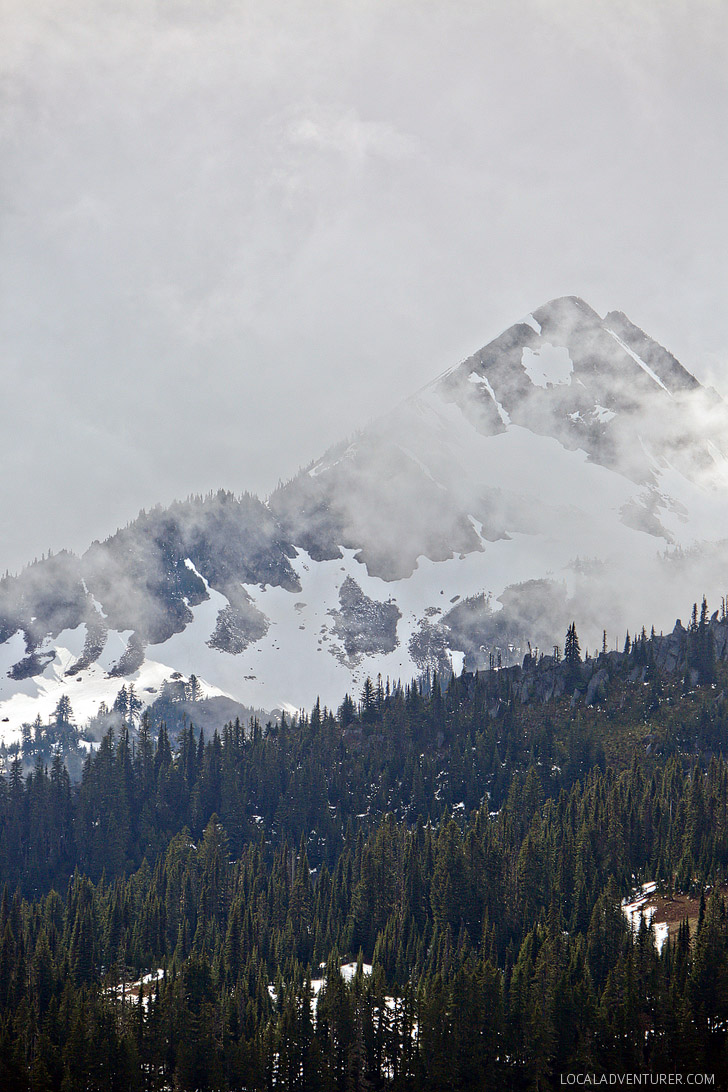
{"x": 571, "y": 469}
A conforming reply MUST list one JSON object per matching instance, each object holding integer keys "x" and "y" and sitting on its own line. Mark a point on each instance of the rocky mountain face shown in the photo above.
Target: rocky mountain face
{"x": 570, "y": 469}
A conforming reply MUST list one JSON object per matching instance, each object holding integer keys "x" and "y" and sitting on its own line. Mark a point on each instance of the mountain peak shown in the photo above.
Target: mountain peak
{"x": 566, "y": 310}
{"x": 567, "y": 437}
{"x": 668, "y": 369}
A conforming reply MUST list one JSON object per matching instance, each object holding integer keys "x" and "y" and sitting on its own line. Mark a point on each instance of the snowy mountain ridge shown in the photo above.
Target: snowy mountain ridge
{"x": 570, "y": 468}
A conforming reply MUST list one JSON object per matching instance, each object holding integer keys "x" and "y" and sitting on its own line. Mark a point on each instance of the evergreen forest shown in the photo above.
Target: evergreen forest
{"x": 177, "y": 919}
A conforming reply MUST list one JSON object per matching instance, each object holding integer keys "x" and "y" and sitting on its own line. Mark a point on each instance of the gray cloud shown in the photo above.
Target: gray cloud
{"x": 234, "y": 232}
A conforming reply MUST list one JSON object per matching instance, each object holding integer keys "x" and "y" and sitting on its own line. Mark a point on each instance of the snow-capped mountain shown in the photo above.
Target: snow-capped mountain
{"x": 570, "y": 469}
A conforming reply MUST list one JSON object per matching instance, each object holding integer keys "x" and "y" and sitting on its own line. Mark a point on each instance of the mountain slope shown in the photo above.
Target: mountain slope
{"x": 571, "y": 468}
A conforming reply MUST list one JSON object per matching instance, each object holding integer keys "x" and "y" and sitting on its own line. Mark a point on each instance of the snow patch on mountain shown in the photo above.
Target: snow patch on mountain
{"x": 11, "y": 652}
{"x": 638, "y": 360}
{"x": 476, "y": 377}
{"x": 549, "y": 365}
{"x": 39, "y": 696}
{"x": 689, "y": 509}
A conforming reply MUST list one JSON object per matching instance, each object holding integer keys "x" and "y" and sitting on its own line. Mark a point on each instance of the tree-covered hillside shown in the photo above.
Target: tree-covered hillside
{"x": 469, "y": 841}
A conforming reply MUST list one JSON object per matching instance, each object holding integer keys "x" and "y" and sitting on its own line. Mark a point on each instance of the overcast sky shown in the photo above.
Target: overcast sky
{"x": 232, "y": 232}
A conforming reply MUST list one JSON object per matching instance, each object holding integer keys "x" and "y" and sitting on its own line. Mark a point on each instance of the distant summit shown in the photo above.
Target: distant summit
{"x": 572, "y": 468}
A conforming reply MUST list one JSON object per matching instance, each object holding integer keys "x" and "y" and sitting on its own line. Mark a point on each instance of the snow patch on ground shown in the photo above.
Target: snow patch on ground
{"x": 128, "y": 992}
{"x": 638, "y": 908}
{"x": 347, "y": 972}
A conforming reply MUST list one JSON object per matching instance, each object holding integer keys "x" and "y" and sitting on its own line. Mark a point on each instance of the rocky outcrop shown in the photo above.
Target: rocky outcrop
{"x": 540, "y": 679}
{"x": 363, "y": 625}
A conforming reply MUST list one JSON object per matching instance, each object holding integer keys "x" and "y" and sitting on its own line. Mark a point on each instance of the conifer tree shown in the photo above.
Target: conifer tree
{"x": 572, "y": 655}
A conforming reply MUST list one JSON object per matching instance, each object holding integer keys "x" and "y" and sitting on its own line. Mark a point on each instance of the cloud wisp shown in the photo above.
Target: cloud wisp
{"x": 233, "y": 233}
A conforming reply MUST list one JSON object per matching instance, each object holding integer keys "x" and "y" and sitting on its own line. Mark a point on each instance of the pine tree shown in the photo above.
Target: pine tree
{"x": 572, "y": 655}
{"x": 705, "y": 648}
{"x": 368, "y": 704}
